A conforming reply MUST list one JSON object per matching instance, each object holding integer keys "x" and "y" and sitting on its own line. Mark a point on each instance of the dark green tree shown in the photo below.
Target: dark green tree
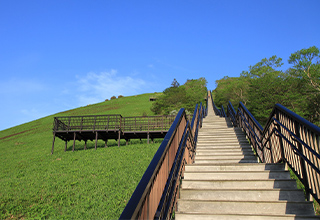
{"x": 185, "y": 96}
{"x": 306, "y": 68}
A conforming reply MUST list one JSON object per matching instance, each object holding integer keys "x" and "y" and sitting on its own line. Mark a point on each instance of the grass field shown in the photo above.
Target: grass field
{"x": 84, "y": 184}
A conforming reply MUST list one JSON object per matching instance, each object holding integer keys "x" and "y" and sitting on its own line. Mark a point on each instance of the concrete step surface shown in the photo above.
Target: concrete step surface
{"x": 237, "y": 175}
{"x": 246, "y": 207}
{"x": 223, "y": 152}
{"x": 232, "y": 167}
{"x": 223, "y": 161}
{"x": 292, "y": 195}
{"x": 239, "y": 184}
{"x": 191, "y": 216}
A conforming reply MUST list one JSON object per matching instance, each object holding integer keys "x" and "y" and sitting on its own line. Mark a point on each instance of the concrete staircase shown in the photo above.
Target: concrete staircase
{"x": 227, "y": 182}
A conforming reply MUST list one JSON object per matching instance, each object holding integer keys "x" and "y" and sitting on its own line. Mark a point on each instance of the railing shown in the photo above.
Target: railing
{"x": 88, "y": 122}
{"x": 156, "y": 193}
{"x": 112, "y": 122}
{"x": 217, "y": 111}
{"x": 231, "y": 113}
{"x": 222, "y": 112}
{"x": 288, "y": 138}
{"x": 147, "y": 123}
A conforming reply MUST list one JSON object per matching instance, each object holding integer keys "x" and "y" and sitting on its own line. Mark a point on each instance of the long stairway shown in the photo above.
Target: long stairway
{"x": 227, "y": 182}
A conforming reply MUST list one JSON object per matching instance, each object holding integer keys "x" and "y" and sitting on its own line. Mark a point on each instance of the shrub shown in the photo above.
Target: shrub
{"x": 113, "y": 97}
{"x": 120, "y": 96}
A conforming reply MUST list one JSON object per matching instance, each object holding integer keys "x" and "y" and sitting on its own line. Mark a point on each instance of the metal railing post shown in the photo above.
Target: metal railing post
{"x": 302, "y": 162}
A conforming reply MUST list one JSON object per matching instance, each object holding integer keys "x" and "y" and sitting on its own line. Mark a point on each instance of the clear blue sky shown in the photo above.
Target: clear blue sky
{"x": 57, "y": 55}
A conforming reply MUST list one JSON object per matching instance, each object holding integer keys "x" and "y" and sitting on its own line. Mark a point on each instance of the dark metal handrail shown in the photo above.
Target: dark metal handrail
{"x": 223, "y": 113}
{"x": 231, "y": 113}
{"x": 155, "y": 195}
{"x": 215, "y": 109}
{"x": 287, "y": 137}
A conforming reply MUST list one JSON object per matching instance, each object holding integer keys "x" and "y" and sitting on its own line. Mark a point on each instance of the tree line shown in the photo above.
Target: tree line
{"x": 264, "y": 85}
{"x": 181, "y": 96}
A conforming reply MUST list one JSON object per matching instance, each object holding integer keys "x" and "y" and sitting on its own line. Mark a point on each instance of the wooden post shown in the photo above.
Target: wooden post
{"x": 119, "y": 133}
{"x": 74, "y": 141}
{"x": 65, "y": 146}
{"x": 148, "y": 137}
{"x": 95, "y": 145}
{"x": 85, "y": 145}
{"x": 54, "y": 138}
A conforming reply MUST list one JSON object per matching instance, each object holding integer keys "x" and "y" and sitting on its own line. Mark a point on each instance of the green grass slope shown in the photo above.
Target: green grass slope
{"x": 85, "y": 184}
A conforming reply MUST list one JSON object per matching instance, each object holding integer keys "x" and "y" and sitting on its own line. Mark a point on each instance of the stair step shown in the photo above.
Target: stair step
{"x": 189, "y": 216}
{"x": 223, "y": 161}
{"x": 225, "y": 157}
{"x": 217, "y": 149}
{"x": 223, "y": 141}
{"x": 245, "y": 207}
{"x": 236, "y": 184}
{"x": 223, "y": 152}
{"x": 226, "y": 147}
{"x": 234, "y": 175}
{"x": 232, "y": 167}
{"x": 243, "y": 195}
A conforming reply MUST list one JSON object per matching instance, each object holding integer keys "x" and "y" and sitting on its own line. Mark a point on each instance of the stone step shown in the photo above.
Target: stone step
{"x": 236, "y": 184}
{"x": 225, "y": 157}
{"x": 292, "y": 195}
{"x": 232, "y": 167}
{"x": 245, "y": 207}
{"x": 219, "y": 137}
{"x": 221, "y": 141}
{"x": 183, "y": 216}
{"x": 223, "y": 152}
{"x": 229, "y": 147}
{"x": 224, "y": 144}
{"x": 234, "y": 175}
{"x": 223, "y": 161}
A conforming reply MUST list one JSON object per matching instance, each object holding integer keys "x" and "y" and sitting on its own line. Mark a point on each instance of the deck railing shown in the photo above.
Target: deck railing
{"x": 156, "y": 193}
{"x": 288, "y": 138}
{"x": 112, "y": 122}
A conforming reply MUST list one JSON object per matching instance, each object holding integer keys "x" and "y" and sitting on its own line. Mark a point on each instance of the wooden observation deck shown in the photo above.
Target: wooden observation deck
{"x": 106, "y": 127}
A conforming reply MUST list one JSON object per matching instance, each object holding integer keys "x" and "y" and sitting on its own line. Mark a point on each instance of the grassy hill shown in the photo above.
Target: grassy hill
{"x": 82, "y": 184}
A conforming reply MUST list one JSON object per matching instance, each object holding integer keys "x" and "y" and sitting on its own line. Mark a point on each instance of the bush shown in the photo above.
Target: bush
{"x": 113, "y": 97}
{"x": 120, "y": 96}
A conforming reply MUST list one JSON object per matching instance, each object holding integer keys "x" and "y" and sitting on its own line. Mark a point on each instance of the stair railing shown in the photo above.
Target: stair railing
{"x": 155, "y": 196}
{"x": 215, "y": 108}
{"x": 288, "y": 138}
{"x": 231, "y": 113}
{"x": 222, "y": 112}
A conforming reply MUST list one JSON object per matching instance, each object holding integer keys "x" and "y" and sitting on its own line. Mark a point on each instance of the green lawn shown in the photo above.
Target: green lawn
{"x": 84, "y": 184}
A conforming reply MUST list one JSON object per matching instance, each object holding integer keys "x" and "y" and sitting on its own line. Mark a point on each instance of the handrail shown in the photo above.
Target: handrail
{"x": 215, "y": 108}
{"x": 287, "y": 137}
{"x": 155, "y": 195}
{"x": 231, "y": 113}
{"x": 223, "y": 113}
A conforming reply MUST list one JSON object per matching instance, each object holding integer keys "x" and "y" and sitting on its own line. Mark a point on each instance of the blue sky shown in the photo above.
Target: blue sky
{"x": 58, "y": 55}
